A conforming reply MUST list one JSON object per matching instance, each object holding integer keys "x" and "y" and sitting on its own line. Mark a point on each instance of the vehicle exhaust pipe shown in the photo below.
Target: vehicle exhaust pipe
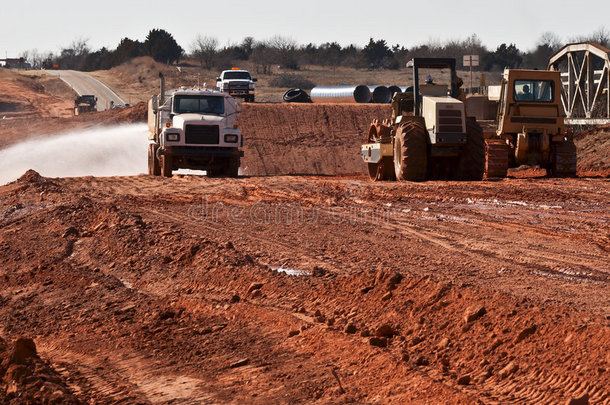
{"x": 341, "y": 94}
{"x": 162, "y": 95}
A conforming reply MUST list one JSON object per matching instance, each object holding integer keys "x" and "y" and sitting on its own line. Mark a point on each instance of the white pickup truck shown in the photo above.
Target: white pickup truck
{"x": 238, "y": 83}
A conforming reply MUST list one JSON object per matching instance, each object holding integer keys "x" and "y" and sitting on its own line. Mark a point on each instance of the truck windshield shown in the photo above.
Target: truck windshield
{"x": 199, "y": 105}
{"x": 539, "y": 91}
{"x": 237, "y": 75}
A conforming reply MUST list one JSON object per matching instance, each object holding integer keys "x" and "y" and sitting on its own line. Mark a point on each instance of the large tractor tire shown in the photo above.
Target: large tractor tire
{"x": 471, "y": 164}
{"x": 384, "y": 170}
{"x": 563, "y": 159}
{"x": 411, "y": 152}
{"x": 496, "y": 158}
{"x": 154, "y": 169}
{"x": 166, "y": 165}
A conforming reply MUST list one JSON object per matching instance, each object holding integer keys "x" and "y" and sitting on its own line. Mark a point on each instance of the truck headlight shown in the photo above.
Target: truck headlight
{"x": 251, "y": 86}
{"x": 231, "y": 138}
{"x": 172, "y": 137}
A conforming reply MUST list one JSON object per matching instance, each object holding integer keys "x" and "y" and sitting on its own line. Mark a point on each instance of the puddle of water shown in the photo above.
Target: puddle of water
{"x": 126, "y": 283}
{"x": 291, "y": 272}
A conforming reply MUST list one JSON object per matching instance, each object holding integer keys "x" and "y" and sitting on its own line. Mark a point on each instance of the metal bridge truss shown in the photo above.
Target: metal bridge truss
{"x": 585, "y": 75}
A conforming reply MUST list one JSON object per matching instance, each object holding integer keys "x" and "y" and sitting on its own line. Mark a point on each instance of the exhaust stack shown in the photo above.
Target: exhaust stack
{"x": 162, "y": 95}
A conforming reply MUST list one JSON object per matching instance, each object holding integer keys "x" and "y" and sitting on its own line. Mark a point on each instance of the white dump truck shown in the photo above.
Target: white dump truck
{"x": 193, "y": 128}
{"x": 238, "y": 83}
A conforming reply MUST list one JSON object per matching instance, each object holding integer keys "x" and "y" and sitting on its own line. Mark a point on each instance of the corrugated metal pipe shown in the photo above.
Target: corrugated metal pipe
{"x": 341, "y": 94}
{"x": 394, "y": 89}
{"x": 380, "y": 94}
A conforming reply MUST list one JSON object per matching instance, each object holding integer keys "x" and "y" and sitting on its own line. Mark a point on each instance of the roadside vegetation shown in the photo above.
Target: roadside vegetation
{"x": 286, "y": 53}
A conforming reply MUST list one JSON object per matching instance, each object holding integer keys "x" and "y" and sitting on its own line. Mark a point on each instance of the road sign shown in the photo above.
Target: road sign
{"x": 471, "y": 60}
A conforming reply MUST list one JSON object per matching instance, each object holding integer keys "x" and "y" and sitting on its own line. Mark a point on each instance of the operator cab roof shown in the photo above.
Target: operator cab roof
{"x": 196, "y": 91}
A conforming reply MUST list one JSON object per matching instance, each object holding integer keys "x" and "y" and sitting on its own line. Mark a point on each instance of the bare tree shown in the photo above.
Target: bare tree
{"x": 80, "y": 46}
{"x": 205, "y": 49}
{"x": 262, "y": 55}
{"x": 601, "y": 36}
{"x": 550, "y": 40}
{"x": 33, "y": 57}
{"x": 285, "y": 50}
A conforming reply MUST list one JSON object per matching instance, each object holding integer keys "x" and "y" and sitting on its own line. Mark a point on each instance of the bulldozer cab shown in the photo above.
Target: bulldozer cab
{"x": 530, "y": 101}
{"x": 440, "y": 79}
{"x": 434, "y": 77}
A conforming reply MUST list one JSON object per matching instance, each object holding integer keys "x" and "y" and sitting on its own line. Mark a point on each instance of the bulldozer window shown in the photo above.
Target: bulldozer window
{"x": 539, "y": 91}
{"x": 199, "y": 105}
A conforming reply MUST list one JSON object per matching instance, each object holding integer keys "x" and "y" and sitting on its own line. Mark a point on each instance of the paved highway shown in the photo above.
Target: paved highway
{"x": 82, "y": 83}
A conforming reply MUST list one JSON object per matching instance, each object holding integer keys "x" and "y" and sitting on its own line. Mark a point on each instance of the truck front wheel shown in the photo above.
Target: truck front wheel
{"x": 154, "y": 169}
{"x": 166, "y": 165}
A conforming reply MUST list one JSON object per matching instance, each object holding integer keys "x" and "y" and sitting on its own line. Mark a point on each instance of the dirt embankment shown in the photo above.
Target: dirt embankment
{"x": 305, "y": 138}
{"x": 33, "y": 94}
{"x": 594, "y": 149}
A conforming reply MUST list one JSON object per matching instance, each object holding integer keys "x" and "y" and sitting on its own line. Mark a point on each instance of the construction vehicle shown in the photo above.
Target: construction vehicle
{"x": 85, "y": 103}
{"x": 193, "y": 128}
{"x": 531, "y": 128}
{"x": 429, "y": 135}
{"x": 238, "y": 83}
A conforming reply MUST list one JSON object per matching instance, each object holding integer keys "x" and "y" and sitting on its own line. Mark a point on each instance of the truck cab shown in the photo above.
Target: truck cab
{"x": 85, "y": 103}
{"x": 237, "y": 83}
{"x": 194, "y": 128}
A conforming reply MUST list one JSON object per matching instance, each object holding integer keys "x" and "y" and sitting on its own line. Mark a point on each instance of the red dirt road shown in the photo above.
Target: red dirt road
{"x": 149, "y": 290}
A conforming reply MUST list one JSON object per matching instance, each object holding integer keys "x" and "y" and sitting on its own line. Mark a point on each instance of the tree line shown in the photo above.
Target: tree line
{"x": 287, "y": 53}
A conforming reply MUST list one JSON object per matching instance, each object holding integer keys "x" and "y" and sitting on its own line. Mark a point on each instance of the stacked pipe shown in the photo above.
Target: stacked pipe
{"x": 353, "y": 94}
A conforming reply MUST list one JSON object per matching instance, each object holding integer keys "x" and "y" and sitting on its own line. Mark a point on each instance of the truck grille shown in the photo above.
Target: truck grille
{"x": 450, "y": 121}
{"x": 450, "y": 113}
{"x": 202, "y": 134}
{"x": 450, "y": 128}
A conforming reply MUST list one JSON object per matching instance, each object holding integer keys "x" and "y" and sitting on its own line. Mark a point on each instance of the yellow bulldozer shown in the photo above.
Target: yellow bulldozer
{"x": 531, "y": 128}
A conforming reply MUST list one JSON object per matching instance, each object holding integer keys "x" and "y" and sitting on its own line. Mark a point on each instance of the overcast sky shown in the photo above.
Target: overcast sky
{"x": 51, "y": 25}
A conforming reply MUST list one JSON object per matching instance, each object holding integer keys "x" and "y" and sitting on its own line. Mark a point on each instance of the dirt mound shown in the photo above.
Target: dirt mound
{"x": 31, "y": 176}
{"x": 33, "y": 94}
{"x": 145, "y": 289}
{"x": 594, "y": 150}
{"x": 26, "y": 378}
{"x": 306, "y": 139}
